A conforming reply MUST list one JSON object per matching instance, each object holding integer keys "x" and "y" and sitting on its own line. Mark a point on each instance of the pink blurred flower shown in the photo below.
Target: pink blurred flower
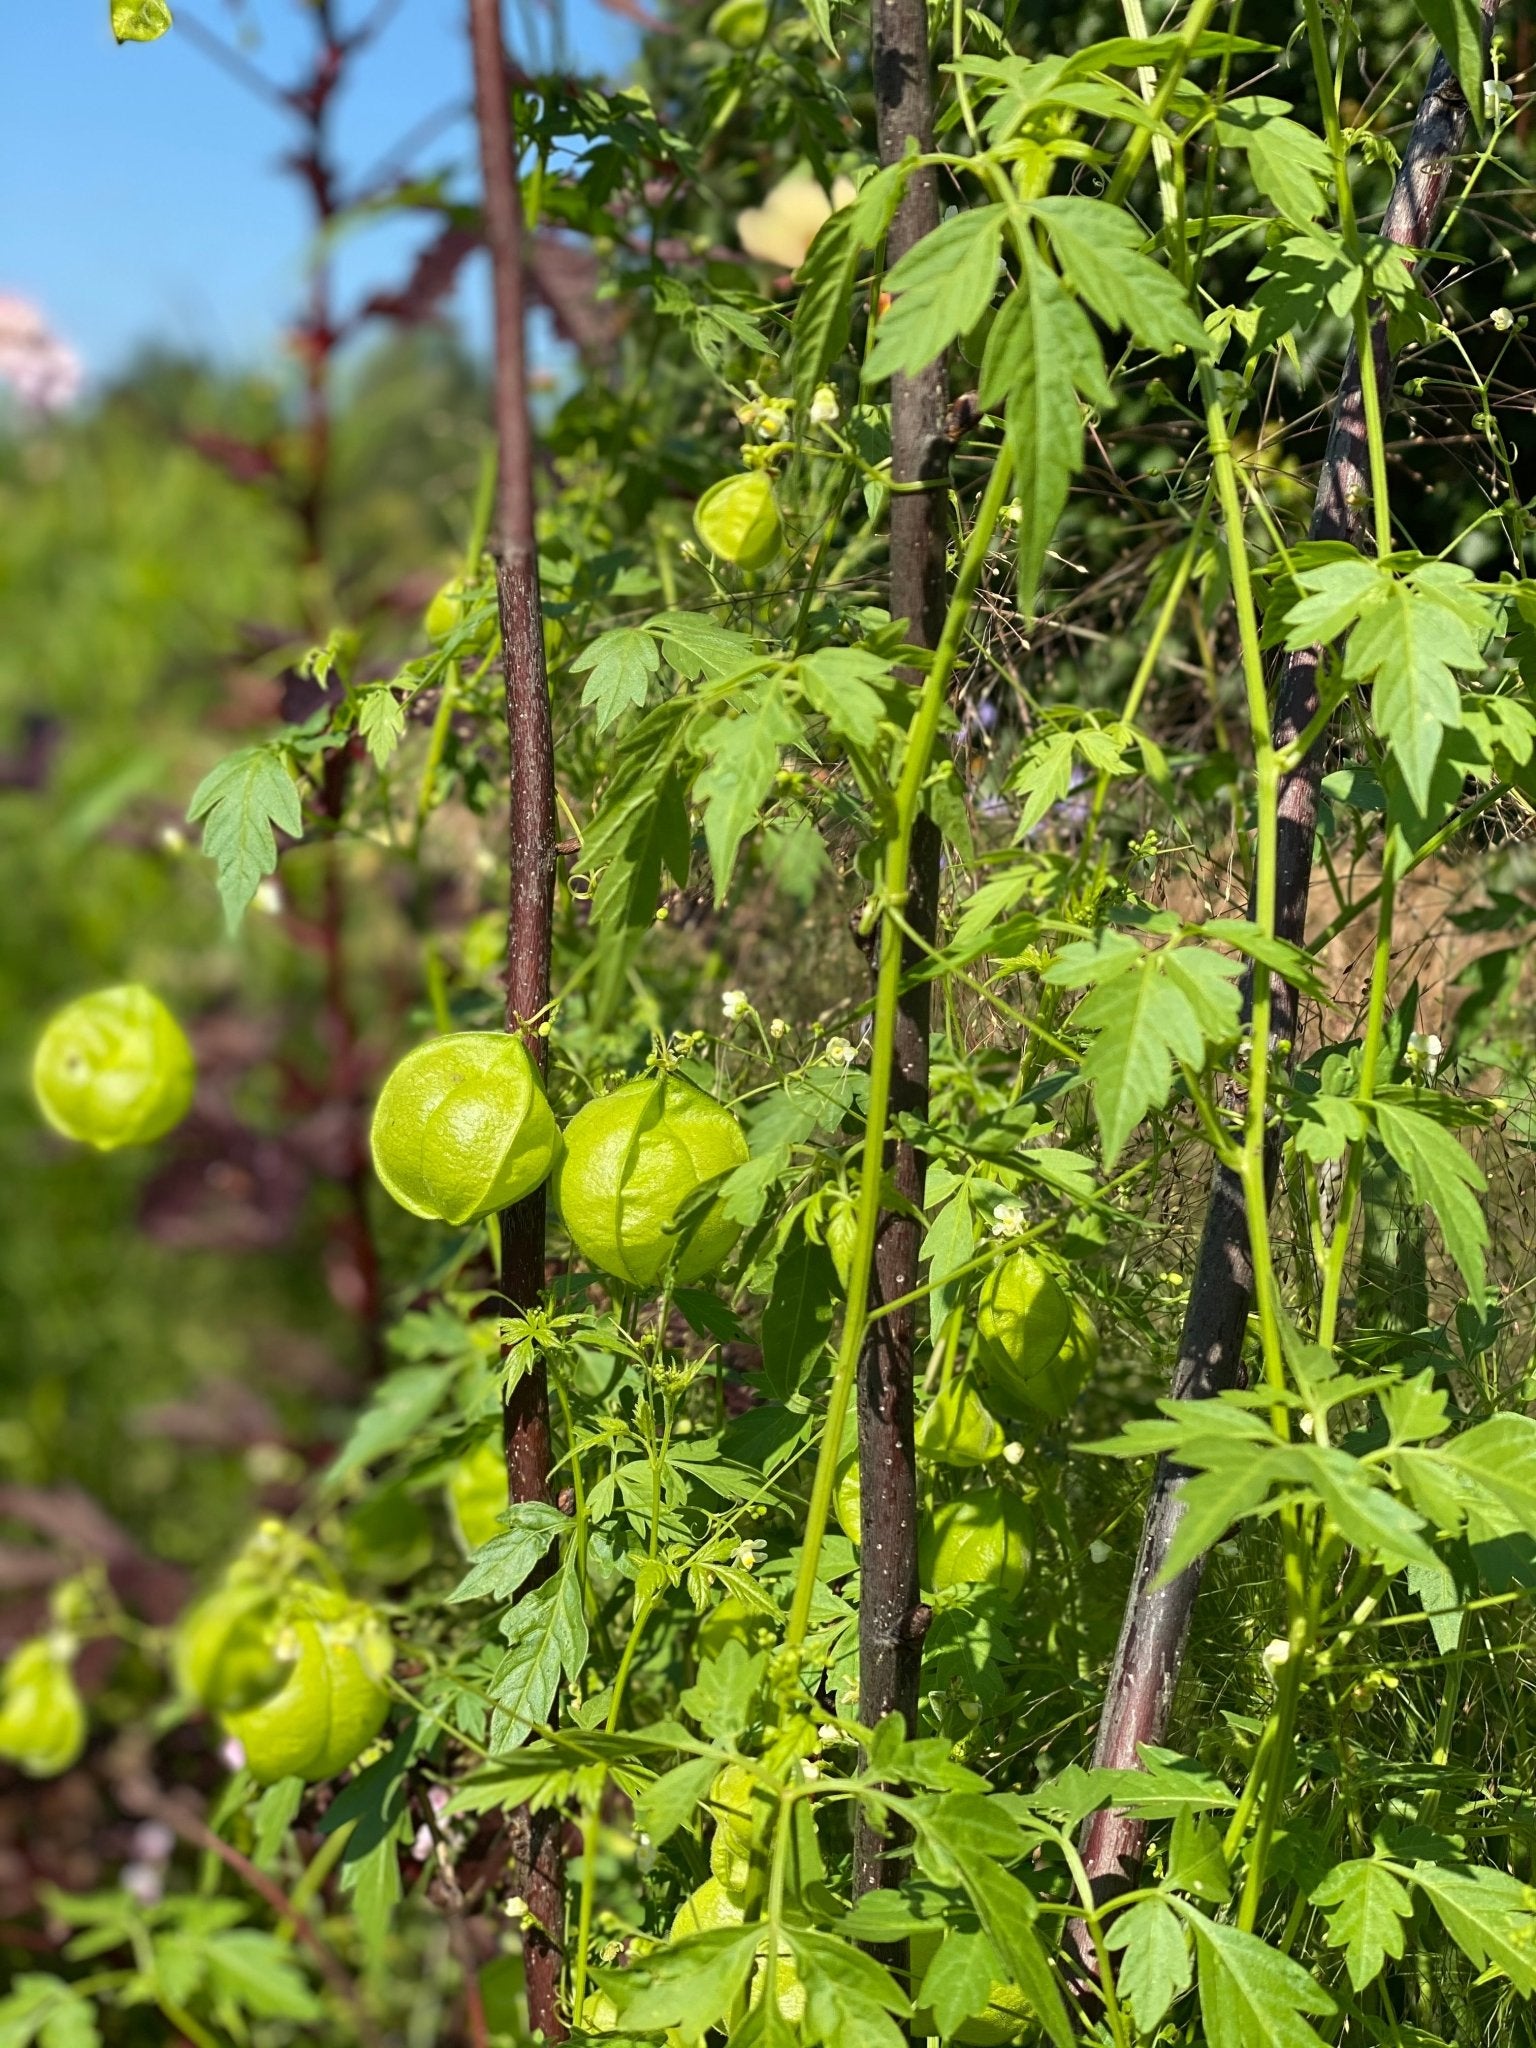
{"x": 42, "y": 370}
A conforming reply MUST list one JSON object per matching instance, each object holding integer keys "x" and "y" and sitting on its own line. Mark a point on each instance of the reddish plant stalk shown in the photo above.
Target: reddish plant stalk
{"x": 891, "y": 1619}
{"x": 538, "y": 1867}
{"x": 1155, "y": 1630}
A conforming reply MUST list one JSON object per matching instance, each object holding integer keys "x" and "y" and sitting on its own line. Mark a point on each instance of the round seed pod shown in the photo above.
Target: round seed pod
{"x": 631, "y": 1162}
{"x": 114, "y": 1068}
{"x": 463, "y": 1128}
{"x": 737, "y": 519}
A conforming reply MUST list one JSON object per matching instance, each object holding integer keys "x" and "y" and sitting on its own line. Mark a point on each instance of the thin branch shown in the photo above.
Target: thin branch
{"x": 229, "y": 59}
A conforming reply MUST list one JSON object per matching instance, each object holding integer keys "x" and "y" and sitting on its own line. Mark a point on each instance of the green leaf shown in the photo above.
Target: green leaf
{"x": 957, "y": 1985}
{"x": 139, "y": 21}
{"x": 824, "y": 308}
{"x": 1040, "y": 353}
{"x": 940, "y": 289}
{"x": 1148, "y": 1009}
{"x": 723, "y": 1696}
{"x": 1457, "y": 27}
{"x": 1446, "y": 1180}
{"x": 843, "y": 684}
{"x": 546, "y": 1635}
{"x": 1364, "y": 1514}
{"x": 46, "y": 2010}
{"x": 240, "y": 802}
{"x": 1155, "y": 1966}
{"x": 255, "y": 1974}
{"x": 695, "y": 646}
{"x": 400, "y": 1405}
{"x": 689, "y": 1985}
{"x": 1488, "y": 1914}
{"x": 676, "y": 1796}
{"x": 272, "y": 1816}
{"x": 1289, "y": 164}
{"x": 500, "y": 1568}
{"x": 1251, "y": 1996}
{"x": 381, "y": 721}
{"x": 744, "y": 751}
{"x": 799, "y": 1315}
{"x": 1099, "y": 248}
{"x": 1196, "y": 1862}
{"x": 1367, "y": 1908}
{"x": 1411, "y": 647}
{"x": 1211, "y": 1502}
{"x": 620, "y": 666}
{"x": 1485, "y": 1478}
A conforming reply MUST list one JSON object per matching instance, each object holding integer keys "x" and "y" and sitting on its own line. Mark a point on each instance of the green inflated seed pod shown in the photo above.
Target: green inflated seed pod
{"x": 114, "y": 1068}
{"x": 462, "y": 1127}
{"x": 632, "y": 1162}
{"x": 737, "y": 519}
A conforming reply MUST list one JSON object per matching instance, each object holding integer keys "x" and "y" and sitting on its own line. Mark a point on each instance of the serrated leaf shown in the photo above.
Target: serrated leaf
{"x": 1099, "y": 248}
{"x": 255, "y": 1973}
{"x": 241, "y": 803}
{"x": 1289, "y": 164}
{"x": 676, "y": 1796}
{"x": 546, "y": 1635}
{"x": 46, "y": 2010}
{"x": 1446, "y": 1180}
{"x": 1040, "y": 353}
{"x": 620, "y": 666}
{"x": 940, "y": 289}
{"x": 400, "y": 1405}
{"x": 1489, "y": 1915}
{"x": 744, "y": 750}
{"x": 1457, "y": 26}
{"x": 957, "y": 1984}
{"x": 381, "y": 721}
{"x": 798, "y": 1318}
{"x": 842, "y": 683}
{"x": 500, "y": 1568}
{"x": 1251, "y": 1996}
{"x": 824, "y": 309}
{"x": 1367, "y": 1908}
{"x": 1149, "y": 1008}
{"x": 1364, "y": 1513}
{"x": 1155, "y": 1966}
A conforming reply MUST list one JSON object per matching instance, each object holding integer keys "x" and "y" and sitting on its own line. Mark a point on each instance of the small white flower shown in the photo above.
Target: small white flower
{"x": 824, "y": 406}
{"x": 1425, "y": 1053}
{"x": 516, "y": 1910}
{"x": 1502, "y": 319}
{"x": 749, "y": 1555}
{"x": 268, "y": 898}
{"x": 735, "y": 1004}
{"x": 1308, "y": 1425}
{"x": 1496, "y": 94}
{"x": 827, "y": 1735}
{"x": 645, "y": 1855}
{"x": 1013, "y": 513}
{"x": 1275, "y": 1654}
{"x": 143, "y": 1882}
{"x": 1099, "y": 1551}
{"x": 770, "y": 425}
{"x": 1008, "y": 1220}
{"x": 172, "y": 839}
{"x": 840, "y": 1052}
{"x": 1013, "y": 1454}
{"x": 809, "y": 1771}
{"x": 778, "y": 1029}
{"x": 232, "y": 1754}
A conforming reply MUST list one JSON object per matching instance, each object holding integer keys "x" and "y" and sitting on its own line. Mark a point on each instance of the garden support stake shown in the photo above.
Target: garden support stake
{"x": 1155, "y": 1630}
{"x": 537, "y": 1863}
{"x": 890, "y": 1634}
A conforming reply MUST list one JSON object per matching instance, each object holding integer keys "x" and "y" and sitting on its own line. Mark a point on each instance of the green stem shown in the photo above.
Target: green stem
{"x": 590, "y": 1822}
{"x": 921, "y": 737}
{"x": 1136, "y": 148}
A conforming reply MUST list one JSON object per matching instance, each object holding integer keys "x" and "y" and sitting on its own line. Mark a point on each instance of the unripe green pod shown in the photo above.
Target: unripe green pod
{"x": 631, "y": 1162}
{"x": 956, "y": 1428}
{"x": 462, "y": 1127}
{"x": 1022, "y": 1320}
{"x": 982, "y": 1538}
{"x": 114, "y": 1068}
{"x": 740, "y": 24}
{"x": 477, "y": 1493}
{"x": 737, "y": 519}
{"x": 224, "y": 1652}
{"x": 452, "y": 607}
{"x": 42, "y": 1717}
{"x": 333, "y": 1700}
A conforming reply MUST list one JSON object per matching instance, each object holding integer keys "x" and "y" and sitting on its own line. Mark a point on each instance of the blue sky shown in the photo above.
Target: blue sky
{"x": 142, "y": 194}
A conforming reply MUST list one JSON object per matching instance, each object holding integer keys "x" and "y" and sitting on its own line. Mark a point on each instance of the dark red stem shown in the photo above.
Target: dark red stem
{"x": 891, "y": 1620}
{"x": 537, "y": 1863}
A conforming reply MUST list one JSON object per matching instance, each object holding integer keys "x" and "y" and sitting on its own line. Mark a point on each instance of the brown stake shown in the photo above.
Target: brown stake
{"x": 1153, "y": 1636}
{"x": 537, "y": 1864}
{"x": 891, "y": 1622}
